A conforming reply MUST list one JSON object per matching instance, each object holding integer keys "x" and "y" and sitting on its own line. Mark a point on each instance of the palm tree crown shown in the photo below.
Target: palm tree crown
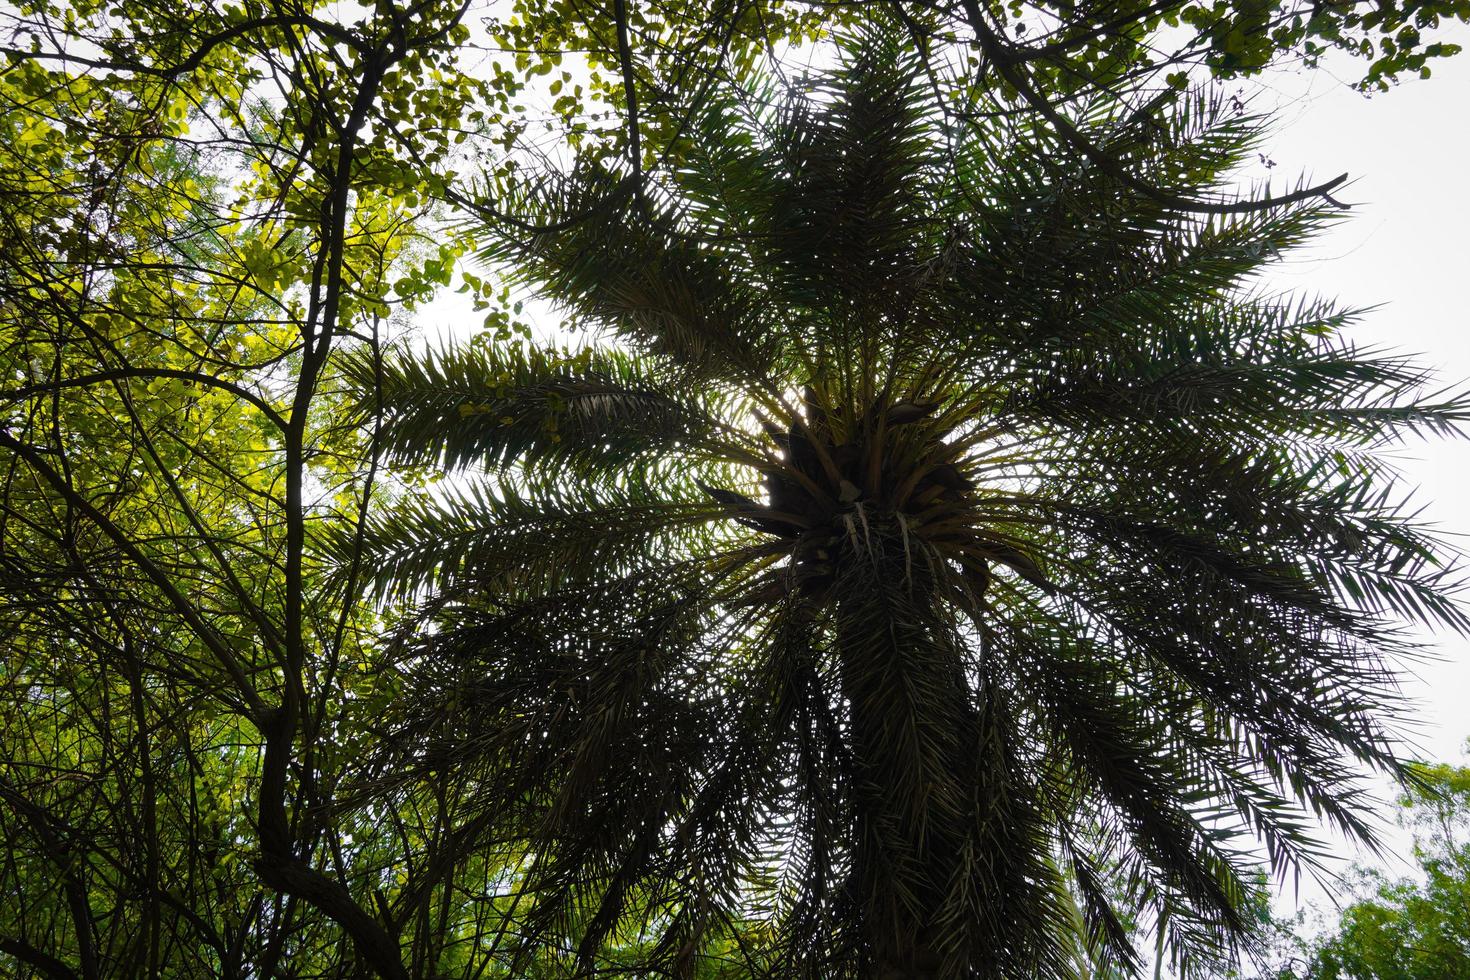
{"x": 933, "y": 551}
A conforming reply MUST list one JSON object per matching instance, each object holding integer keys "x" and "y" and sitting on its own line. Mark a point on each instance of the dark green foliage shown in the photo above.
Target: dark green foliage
{"x": 1232, "y": 39}
{"x": 931, "y": 536}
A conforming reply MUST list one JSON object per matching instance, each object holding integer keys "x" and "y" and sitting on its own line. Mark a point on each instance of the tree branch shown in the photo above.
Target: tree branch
{"x": 181, "y": 605}
{"x": 1005, "y": 61}
{"x": 26, "y": 953}
{"x": 125, "y": 374}
{"x": 630, "y": 95}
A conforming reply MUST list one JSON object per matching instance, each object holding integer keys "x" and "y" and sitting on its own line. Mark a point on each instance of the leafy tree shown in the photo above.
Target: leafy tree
{"x": 919, "y": 530}
{"x": 1402, "y": 928}
{"x": 199, "y": 203}
{"x": 1050, "y": 56}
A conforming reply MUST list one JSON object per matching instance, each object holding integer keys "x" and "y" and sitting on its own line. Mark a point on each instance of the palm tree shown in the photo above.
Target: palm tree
{"x": 929, "y": 545}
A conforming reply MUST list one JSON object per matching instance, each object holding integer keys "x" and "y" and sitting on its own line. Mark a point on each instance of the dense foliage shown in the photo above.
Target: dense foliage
{"x": 195, "y": 211}
{"x": 215, "y": 216}
{"x": 1401, "y": 928}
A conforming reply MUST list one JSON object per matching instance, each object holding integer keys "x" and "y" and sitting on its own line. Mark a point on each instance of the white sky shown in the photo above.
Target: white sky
{"x": 1405, "y": 246}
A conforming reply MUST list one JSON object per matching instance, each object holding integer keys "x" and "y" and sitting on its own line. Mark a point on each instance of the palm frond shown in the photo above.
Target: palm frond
{"x": 520, "y": 539}
{"x": 498, "y": 405}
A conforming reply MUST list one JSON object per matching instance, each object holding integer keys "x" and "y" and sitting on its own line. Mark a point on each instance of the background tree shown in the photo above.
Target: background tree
{"x": 1050, "y": 57}
{"x": 1415, "y": 928}
{"x": 921, "y": 526}
{"x": 199, "y": 203}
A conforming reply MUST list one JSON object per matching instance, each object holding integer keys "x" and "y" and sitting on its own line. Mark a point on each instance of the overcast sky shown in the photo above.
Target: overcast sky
{"x": 1406, "y": 245}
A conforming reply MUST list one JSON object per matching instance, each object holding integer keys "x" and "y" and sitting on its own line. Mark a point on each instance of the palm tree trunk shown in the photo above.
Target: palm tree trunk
{"x": 910, "y": 709}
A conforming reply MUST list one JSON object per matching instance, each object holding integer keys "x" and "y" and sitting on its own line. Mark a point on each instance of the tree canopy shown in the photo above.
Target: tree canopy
{"x": 1400, "y": 928}
{"x": 1000, "y": 251}
{"x": 934, "y": 526}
